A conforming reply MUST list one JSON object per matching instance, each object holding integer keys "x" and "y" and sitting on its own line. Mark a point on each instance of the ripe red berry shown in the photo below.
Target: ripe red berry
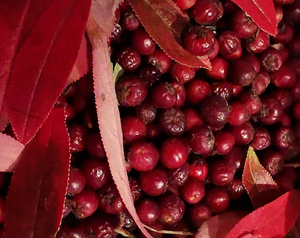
{"x": 143, "y": 155}
{"x": 173, "y": 152}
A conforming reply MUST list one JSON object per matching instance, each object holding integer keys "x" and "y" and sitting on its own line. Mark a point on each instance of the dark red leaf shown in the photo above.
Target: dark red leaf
{"x": 37, "y": 190}
{"x": 220, "y": 225}
{"x": 99, "y": 28}
{"x": 17, "y": 18}
{"x": 164, "y": 23}
{"x": 272, "y": 220}
{"x": 81, "y": 65}
{"x": 43, "y": 65}
{"x": 262, "y": 12}
{"x": 258, "y": 182}
{"x": 10, "y": 150}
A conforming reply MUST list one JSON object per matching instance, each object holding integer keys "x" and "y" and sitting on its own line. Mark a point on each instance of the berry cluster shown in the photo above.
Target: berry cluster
{"x": 186, "y": 131}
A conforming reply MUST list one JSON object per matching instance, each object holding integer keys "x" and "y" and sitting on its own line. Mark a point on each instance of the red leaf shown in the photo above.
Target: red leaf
{"x": 43, "y": 65}
{"x": 220, "y": 225}
{"x": 17, "y": 18}
{"x": 272, "y": 220}
{"x": 3, "y": 122}
{"x": 99, "y": 28}
{"x": 258, "y": 182}
{"x": 10, "y": 150}
{"x": 37, "y": 190}
{"x": 80, "y": 67}
{"x": 262, "y": 12}
{"x": 164, "y": 23}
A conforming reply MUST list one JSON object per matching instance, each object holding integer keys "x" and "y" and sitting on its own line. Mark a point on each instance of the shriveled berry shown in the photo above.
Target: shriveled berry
{"x": 178, "y": 176}
{"x": 223, "y": 89}
{"x": 146, "y": 111}
{"x": 202, "y": 141}
{"x": 131, "y": 91}
{"x": 261, "y": 139}
{"x": 129, "y": 59}
{"x": 214, "y": 111}
{"x": 171, "y": 208}
{"x": 230, "y": 45}
{"x": 271, "y": 111}
{"x": 172, "y": 121}
{"x": 272, "y": 161}
{"x": 283, "y": 137}
{"x": 110, "y": 200}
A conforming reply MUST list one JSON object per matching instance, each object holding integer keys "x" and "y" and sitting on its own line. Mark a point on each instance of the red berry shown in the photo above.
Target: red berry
{"x": 202, "y": 141}
{"x": 85, "y": 203}
{"x": 109, "y": 199}
{"x": 173, "y": 152}
{"x": 221, "y": 173}
{"x": 154, "y": 182}
{"x": 192, "y": 191}
{"x": 207, "y": 12}
{"x": 172, "y": 121}
{"x": 217, "y": 199}
{"x": 142, "y": 42}
{"x": 133, "y": 129}
{"x": 131, "y": 91}
{"x": 163, "y": 95}
{"x": 199, "y": 169}
{"x": 199, "y": 41}
{"x": 143, "y": 155}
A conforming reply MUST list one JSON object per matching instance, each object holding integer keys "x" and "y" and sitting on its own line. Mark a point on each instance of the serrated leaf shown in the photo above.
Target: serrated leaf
{"x": 258, "y": 182}
{"x": 17, "y": 19}
{"x": 275, "y": 219}
{"x": 262, "y": 12}
{"x": 220, "y": 225}
{"x": 38, "y": 186}
{"x": 164, "y": 22}
{"x": 43, "y": 65}
{"x": 10, "y": 150}
{"x": 99, "y": 28}
{"x": 81, "y": 65}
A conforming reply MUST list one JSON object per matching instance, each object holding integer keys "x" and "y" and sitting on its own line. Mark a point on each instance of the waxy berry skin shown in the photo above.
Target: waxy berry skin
{"x": 174, "y": 152}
